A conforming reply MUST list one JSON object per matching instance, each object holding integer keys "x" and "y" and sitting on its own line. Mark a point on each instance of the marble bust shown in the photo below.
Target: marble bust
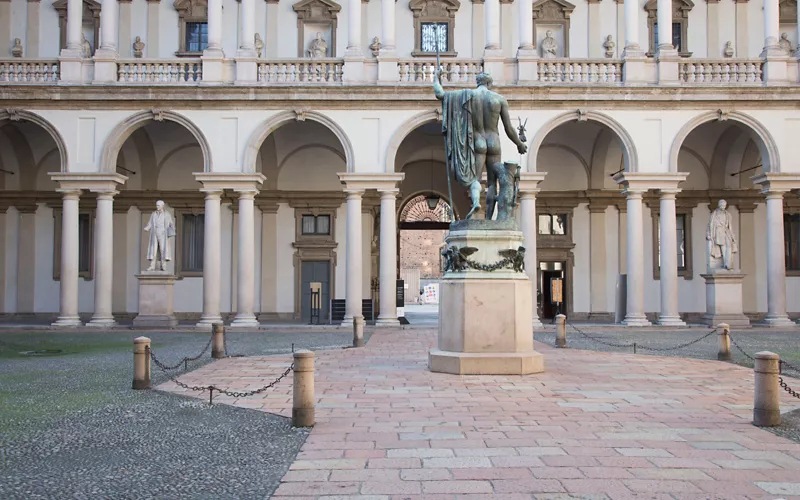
{"x": 785, "y": 44}
{"x": 318, "y": 47}
{"x": 138, "y": 47}
{"x": 16, "y": 50}
{"x": 161, "y": 228}
{"x": 720, "y": 238}
{"x": 609, "y": 45}
{"x": 728, "y": 51}
{"x": 258, "y": 43}
{"x": 549, "y": 46}
{"x": 86, "y": 47}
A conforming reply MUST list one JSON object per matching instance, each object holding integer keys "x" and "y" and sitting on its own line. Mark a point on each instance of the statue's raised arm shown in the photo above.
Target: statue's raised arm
{"x": 437, "y": 84}
{"x": 510, "y": 132}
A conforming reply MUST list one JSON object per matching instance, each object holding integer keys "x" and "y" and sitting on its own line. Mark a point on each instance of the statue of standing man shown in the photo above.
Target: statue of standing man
{"x": 472, "y": 142}
{"x": 721, "y": 241}
{"x": 161, "y": 228}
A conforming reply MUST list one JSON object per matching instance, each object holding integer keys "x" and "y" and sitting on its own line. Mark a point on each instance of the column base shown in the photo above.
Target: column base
{"x": 778, "y": 322}
{"x": 206, "y": 322}
{"x": 67, "y": 322}
{"x": 102, "y": 322}
{"x": 387, "y": 322}
{"x": 485, "y": 363}
{"x": 635, "y": 320}
{"x": 245, "y": 321}
{"x": 670, "y": 321}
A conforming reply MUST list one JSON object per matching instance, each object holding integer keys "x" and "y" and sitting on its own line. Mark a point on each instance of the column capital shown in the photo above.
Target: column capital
{"x": 106, "y": 194}
{"x": 353, "y": 194}
{"x": 776, "y": 182}
{"x": 529, "y": 194}
{"x": 230, "y": 180}
{"x": 363, "y": 182}
{"x": 634, "y": 194}
{"x": 93, "y": 181}
{"x": 646, "y": 180}
{"x": 246, "y": 194}
{"x": 529, "y": 181}
{"x": 212, "y": 194}
{"x": 389, "y": 192}
{"x": 668, "y": 194}
{"x": 69, "y": 193}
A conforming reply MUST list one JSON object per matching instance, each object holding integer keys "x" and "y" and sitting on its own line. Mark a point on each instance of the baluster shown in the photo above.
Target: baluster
{"x": 758, "y": 71}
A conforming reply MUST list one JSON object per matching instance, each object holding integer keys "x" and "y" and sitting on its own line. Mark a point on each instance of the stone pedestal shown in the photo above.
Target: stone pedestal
{"x": 156, "y": 300}
{"x": 485, "y": 317}
{"x": 724, "y": 298}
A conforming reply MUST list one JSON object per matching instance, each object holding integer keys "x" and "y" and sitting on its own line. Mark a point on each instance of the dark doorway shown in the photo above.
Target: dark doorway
{"x": 315, "y": 271}
{"x": 547, "y": 272}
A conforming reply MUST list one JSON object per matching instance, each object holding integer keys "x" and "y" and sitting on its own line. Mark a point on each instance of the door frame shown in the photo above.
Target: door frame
{"x": 299, "y": 293}
{"x": 559, "y": 255}
{"x": 312, "y": 252}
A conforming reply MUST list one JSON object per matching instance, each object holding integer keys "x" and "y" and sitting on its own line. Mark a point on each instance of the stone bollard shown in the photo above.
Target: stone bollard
{"x": 358, "y": 331}
{"x": 766, "y": 400}
{"x": 724, "y": 335}
{"x": 561, "y": 330}
{"x": 141, "y": 363}
{"x": 218, "y": 341}
{"x": 303, "y": 401}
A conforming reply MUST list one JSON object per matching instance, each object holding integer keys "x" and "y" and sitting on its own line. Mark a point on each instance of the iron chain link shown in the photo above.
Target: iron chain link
{"x": 184, "y": 360}
{"x": 640, "y": 346}
{"x": 737, "y": 346}
{"x": 788, "y": 389}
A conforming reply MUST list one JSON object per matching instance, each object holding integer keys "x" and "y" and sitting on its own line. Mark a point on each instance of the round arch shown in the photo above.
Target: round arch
{"x": 19, "y": 114}
{"x": 402, "y": 132}
{"x": 274, "y": 122}
{"x": 628, "y": 147}
{"x": 764, "y": 141}
{"x": 407, "y": 199}
{"x": 128, "y": 126}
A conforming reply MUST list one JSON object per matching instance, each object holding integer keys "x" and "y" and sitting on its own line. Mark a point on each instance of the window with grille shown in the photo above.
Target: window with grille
{"x": 433, "y": 35}
{"x": 192, "y": 241}
{"x": 196, "y": 36}
{"x": 316, "y": 224}
{"x": 791, "y": 238}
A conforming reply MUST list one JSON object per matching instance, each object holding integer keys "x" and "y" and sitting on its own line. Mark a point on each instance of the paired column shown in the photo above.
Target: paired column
{"x": 245, "y": 314}
{"x": 525, "y": 24}
{"x": 771, "y": 24}
{"x": 527, "y": 207}
{"x": 669, "y": 260}
{"x": 664, "y": 20}
{"x": 108, "y": 25}
{"x": 492, "y": 20}
{"x": 388, "y": 257}
{"x": 776, "y": 262}
{"x": 212, "y": 250}
{"x": 68, "y": 313}
{"x": 632, "y": 28}
{"x": 74, "y": 20}
{"x": 388, "y": 25}
{"x": 103, "y": 261}
{"x": 215, "y": 26}
{"x": 635, "y": 249}
{"x": 354, "y": 257}
{"x": 248, "y": 20}
{"x": 354, "y": 28}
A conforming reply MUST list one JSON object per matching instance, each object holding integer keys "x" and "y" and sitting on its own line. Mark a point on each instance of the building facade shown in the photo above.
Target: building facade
{"x": 286, "y": 139}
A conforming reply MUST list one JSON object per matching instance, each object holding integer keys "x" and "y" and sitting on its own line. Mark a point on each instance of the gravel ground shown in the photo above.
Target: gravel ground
{"x": 71, "y": 427}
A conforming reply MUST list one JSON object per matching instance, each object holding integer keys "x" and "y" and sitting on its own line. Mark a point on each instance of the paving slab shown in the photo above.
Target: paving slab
{"x": 603, "y": 424}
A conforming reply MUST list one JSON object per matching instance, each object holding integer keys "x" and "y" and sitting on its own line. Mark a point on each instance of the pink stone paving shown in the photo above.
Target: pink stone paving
{"x": 598, "y": 425}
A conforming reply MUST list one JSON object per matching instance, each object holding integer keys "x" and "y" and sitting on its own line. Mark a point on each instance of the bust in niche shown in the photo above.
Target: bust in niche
{"x": 318, "y": 47}
{"x": 549, "y": 46}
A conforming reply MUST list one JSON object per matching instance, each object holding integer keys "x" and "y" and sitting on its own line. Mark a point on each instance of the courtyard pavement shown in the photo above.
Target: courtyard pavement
{"x": 593, "y": 425}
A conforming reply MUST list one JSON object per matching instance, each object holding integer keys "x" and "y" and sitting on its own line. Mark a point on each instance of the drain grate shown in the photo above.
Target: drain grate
{"x": 43, "y": 352}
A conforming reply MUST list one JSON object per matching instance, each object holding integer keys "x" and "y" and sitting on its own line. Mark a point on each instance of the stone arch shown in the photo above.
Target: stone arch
{"x": 128, "y": 126}
{"x": 762, "y": 137}
{"x": 402, "y": 132}
{"x": 274, "y": 122}
{"x": 628, "y": 147}
{"x": 19, "y": 114}
{"x": 407, "y": 199}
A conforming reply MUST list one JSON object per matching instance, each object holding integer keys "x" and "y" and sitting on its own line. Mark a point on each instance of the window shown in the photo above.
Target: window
{"x": 85, "y": 244}
{"x": 434, "y": 23}
{"x": 196, "y": 36}
{"x": 676, "y": 36}
{"x": 192, "y": 241}
{"x": 433, "y": 35}
{"x": 680, "y": 228}
{"x": 555, "y": 225}
{"x": 791, "y": 238}
{"x": 683, "y": 229}
{"x": 316, "y": 224}
{"x": 680, "y": 26}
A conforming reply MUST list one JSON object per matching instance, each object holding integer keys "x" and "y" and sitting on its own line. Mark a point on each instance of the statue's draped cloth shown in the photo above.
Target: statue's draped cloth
{"x": 458, "y": 142}
{"x": 720, "y": 233}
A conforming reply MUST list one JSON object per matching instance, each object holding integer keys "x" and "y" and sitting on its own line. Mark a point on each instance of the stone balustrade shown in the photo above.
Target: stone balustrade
{"x": 455, "y": 71}
{"x": 581, "y": 71}
{"x": 301, "y": 71}
{"x": 28, "y": 71}
{"x": 721, "y": 71}
{"x": 160, "y": 71}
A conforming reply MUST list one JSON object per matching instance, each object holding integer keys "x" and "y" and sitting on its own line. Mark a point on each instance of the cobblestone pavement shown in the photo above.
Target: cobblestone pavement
{"x": 593, "y": 425}
{"x": 71, "y": 427}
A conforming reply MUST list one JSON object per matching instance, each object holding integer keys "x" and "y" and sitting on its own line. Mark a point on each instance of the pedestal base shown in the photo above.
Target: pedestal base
{"x": 485, "y": 318}
{"x": 724, "y": 299}
{"x": 156, "y": 300}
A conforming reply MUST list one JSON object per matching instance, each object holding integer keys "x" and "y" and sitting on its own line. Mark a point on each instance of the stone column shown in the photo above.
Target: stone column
{"x": 214, "y": 25}
{"x": 776, "y": 262}
{"x": 354, "y": 28}
{"x": 74, "y": 20}
{"x": 108, "y": 25}
{"x": 596, "y": 35}
{"x": 388, "y": 258}
{"x": 771, "y": 24}
{"x": 104, "y": 261}
{"x": 713, "y": 45}
{"x": 245, "y": 312}
{"x": 125, "y": 41}
{"x": 525, "y": 14}
{"x": 664, "y": 20}
{"x": 632, "y": 27}
{"x": 32, "y": 31}
{"x": 669, "y": 260}
{"x": 68, "y": 314}
{"x": 388, "y": 25}
{"x": 354, "y": 262}
{"x": 635, "y": 242}
{"x": 527, "y": 208}
{"x": 492, "y": 24}
{"x": 598, "y": 263}
{"x": 211, "y": 259}
{"x": 248, "y": 20}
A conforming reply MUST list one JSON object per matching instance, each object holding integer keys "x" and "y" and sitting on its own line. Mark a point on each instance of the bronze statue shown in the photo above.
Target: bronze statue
{"x": 472, "y": 141}
{"x": 516, "y": 257}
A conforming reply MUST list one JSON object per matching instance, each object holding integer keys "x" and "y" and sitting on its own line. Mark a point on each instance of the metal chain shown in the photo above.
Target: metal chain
{"x": 590, "y": 337}
{"x": 679, "y": 346}
{"x": 788, "y": 389}
{"x": 790, "y": 366}
{"x": 272, "y": 384}
{"x": 751, "y": 358}
{"x": 184, "y": 360}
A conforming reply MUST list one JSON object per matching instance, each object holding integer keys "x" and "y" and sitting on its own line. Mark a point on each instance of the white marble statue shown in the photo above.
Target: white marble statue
{"x": 161, "y": 228}
{"x": 259, "y": 44}
{"x": 16, "y": 50}
{"x": 549, "y": 46}
{"x": 86, "y": 47}
{"x": 138, "y": 47}
{"x": 318, "y": 47}
{"x": 720, "y": 238}
{"x": 728, "y": 51}
{"x": 609, "y": 45}
{"x": 785, "y": 44}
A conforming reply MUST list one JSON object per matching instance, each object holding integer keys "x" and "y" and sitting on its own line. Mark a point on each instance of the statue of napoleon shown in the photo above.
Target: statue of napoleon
{"x": 161, "y": 228}
{"x": 472, "y": 143}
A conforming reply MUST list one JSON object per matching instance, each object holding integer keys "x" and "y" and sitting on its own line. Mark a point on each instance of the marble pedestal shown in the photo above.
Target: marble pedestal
{"x": 156, "y": 300}
{"x": 724, "y": 298}
{"x": 485, "y": 317}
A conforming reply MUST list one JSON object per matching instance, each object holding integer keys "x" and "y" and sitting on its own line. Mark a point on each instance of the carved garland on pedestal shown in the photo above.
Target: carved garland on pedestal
{"x": 457, "y": 260}
{"x": 320, "y": 12}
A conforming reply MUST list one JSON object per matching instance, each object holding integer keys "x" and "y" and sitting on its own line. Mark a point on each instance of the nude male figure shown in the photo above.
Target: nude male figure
{"x": 486, "y": 108}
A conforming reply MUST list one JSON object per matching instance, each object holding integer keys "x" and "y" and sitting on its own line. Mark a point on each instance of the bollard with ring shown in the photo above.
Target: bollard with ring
{"x": 766, "y": 398}
{"x": 358, "y": 331}
{"x": 303, "y": 389}
{"x": 561, "y": 330}
{"x": 141, "y": 363}
{"x": 724, "y": 335}
{"x": 218, "y": 341}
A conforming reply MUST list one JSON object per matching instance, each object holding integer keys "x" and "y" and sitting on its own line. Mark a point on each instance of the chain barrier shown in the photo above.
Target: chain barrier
{"x": 185, "y": 360}
{"x": 679, "y": 346}
{"x": 212, "y": 388}
{"x": 636, "y": 345}
{"x": 788, "y": 389}
{"x": 741, "y": 350}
